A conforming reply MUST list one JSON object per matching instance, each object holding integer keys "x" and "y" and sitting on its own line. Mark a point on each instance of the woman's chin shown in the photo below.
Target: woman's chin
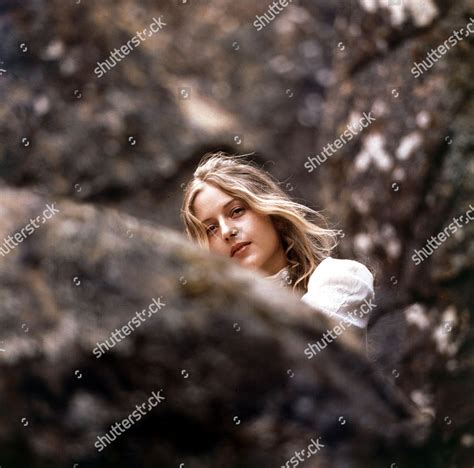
{"x": 248, "y": 262}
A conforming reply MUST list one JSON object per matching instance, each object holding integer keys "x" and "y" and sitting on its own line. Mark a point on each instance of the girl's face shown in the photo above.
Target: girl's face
{"x": 223, "y": 215}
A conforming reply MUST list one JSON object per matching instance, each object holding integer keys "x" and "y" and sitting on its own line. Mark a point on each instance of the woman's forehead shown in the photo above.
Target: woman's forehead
{"x": 209, "y": 199}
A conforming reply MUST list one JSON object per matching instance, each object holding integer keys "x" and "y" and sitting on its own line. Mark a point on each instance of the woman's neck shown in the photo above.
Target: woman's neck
{"x": 276, "y": 263}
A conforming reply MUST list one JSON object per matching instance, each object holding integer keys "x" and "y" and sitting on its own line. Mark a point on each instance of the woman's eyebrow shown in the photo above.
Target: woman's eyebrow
{"x": 223, "y": 207}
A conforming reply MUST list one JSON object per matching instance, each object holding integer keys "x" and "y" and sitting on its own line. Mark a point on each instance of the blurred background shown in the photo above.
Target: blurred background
{"x": 208, "y": 80}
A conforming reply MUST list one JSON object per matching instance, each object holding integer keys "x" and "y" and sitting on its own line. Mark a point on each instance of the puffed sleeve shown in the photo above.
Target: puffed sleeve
{"x": 342, "y": 289}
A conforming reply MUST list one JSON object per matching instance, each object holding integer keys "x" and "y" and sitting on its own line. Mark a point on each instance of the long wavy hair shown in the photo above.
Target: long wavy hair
{"x": 304, "y": 241}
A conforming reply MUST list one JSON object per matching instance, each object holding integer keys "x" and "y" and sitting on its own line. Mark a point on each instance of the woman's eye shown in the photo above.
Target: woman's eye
{"x": 210, "y": 229}
{"x": 237, "y": 210}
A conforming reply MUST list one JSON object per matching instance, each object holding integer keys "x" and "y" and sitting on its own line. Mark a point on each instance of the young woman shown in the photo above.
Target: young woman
{"x": 233, "y": 208}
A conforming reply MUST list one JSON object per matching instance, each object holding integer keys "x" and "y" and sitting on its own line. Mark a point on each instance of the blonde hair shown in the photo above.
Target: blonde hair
{"x": 305, "y": 243}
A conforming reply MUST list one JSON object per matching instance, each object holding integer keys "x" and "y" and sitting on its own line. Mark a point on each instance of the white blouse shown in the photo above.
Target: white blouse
{"x": 342, "y": 289}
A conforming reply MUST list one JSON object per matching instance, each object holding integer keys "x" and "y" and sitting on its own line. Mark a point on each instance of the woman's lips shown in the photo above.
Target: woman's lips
{"x": 240, "y": 250}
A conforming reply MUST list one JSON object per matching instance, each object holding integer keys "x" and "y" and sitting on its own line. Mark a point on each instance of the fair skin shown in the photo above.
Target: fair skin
{"x": 223, "y": 215}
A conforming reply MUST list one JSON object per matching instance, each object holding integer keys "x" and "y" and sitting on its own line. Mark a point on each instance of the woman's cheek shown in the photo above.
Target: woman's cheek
{"x": 250, "y": 227}
{"x": 213, "y": 244}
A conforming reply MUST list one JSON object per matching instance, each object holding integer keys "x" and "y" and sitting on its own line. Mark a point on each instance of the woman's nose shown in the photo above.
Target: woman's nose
{"x": 228, "y": 231}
